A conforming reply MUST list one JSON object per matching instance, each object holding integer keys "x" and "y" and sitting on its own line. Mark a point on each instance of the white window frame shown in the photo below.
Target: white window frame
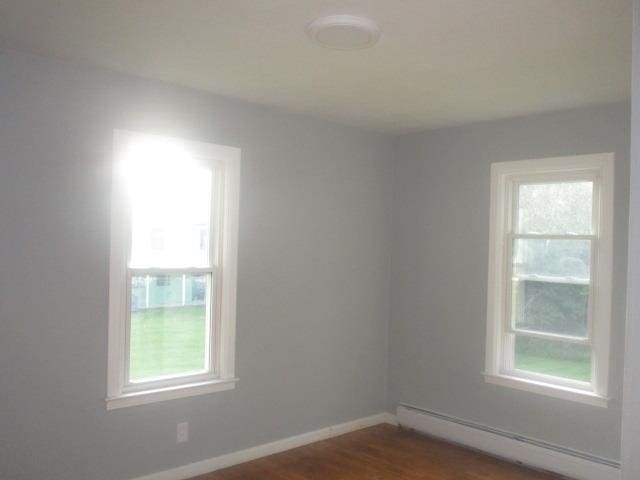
{"x": 499, "y": 368}
{"x": 219, "y": 374}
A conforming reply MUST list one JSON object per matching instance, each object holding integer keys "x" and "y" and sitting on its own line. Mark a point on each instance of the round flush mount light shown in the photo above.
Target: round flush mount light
{"x": 344, "y": 32}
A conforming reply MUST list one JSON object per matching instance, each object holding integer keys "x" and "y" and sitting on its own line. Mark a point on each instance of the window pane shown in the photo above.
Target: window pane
{"x": 566, "y": 261}
{"x": 171, "y": 211}
{"x": 550, "y": 307}
{"x": 550, "y": 286}
{"x": 168, "y": 333}
{"x": 555, "y": 208}
{"x": 555, "y": 358}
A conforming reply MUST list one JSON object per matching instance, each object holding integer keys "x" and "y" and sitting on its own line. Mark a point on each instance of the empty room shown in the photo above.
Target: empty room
{"x": 319, "y": 239}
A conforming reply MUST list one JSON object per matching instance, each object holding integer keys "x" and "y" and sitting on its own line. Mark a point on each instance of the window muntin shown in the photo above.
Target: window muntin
{"x": 549, "y": 292}
{"x": 174, "y": 244}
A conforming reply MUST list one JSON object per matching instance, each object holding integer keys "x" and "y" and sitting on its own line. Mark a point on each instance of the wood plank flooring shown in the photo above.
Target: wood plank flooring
{"x": 382, "y": 452}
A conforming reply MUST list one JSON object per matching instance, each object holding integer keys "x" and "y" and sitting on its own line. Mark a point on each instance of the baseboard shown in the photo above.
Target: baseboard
{"x": 533, "y": 453}
{"x": 241, "y": 456}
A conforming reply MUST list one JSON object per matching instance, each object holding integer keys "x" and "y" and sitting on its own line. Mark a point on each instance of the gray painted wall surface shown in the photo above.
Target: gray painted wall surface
{"x": 314, "y": 274}
{"x": 631, "y": 407}
{"x": 439, "y": 273}
{"x": 313, "y": 298}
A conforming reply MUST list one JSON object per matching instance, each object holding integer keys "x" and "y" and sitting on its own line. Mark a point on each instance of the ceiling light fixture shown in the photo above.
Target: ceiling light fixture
{"x": 344, "y": 32}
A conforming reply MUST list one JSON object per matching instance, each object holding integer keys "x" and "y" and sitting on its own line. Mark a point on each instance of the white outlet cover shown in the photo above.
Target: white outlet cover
{"x": 182, "y": 432}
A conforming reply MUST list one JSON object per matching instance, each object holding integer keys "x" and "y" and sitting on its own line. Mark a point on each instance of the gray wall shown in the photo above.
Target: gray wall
{"x": 314, "y": 309}
{"x": 313, "y": 298}
{"x": 631, "y": 407}
{"x": 439, "y": 273}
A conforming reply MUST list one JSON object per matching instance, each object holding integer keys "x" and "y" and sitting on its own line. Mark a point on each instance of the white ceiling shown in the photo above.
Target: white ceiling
{"x": 438, "y": 62}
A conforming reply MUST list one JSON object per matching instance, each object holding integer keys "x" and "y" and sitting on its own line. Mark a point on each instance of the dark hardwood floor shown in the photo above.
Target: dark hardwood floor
{"x": 382, "y": 452}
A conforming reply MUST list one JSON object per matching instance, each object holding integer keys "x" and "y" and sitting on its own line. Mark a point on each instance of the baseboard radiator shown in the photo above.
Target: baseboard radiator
{"x": 531, "y": 452}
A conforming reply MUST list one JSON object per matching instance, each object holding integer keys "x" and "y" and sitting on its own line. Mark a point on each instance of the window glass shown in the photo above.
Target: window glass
{"x": 168, "y": 325}
{"x": 554, "y": 358}
{"x": 552, "y": 259}
{"x": 555, "y": 208}
{"x": 550, "y": 307}
{"x": 170, "y": 208}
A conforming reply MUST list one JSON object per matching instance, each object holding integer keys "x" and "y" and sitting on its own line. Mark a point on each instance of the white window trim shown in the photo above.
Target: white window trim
{"x": 502, "y": 175}
{"x": 118, "y": 394}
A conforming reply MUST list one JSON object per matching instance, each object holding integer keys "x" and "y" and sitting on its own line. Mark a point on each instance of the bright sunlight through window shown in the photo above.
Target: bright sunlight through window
{"x": 174, "y": 224}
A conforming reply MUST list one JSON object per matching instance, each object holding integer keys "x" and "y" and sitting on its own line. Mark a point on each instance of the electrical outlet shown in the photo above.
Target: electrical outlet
{"x": 182, "y": 432}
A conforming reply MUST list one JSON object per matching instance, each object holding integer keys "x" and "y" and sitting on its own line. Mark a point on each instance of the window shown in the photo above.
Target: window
{"x": 171, "y": 299}
{"x": 549, "y": 291}
{"x": 156, "y": 241}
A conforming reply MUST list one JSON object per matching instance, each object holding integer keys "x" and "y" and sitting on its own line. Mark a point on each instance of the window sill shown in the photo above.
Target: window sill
{"x": 169, "y": 393}
{"x": 565, "y": 393}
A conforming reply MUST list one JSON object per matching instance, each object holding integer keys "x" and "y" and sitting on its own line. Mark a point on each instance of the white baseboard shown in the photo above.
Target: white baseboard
{"x": 241, "y": 456}
{"x": 516, "y": 449}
